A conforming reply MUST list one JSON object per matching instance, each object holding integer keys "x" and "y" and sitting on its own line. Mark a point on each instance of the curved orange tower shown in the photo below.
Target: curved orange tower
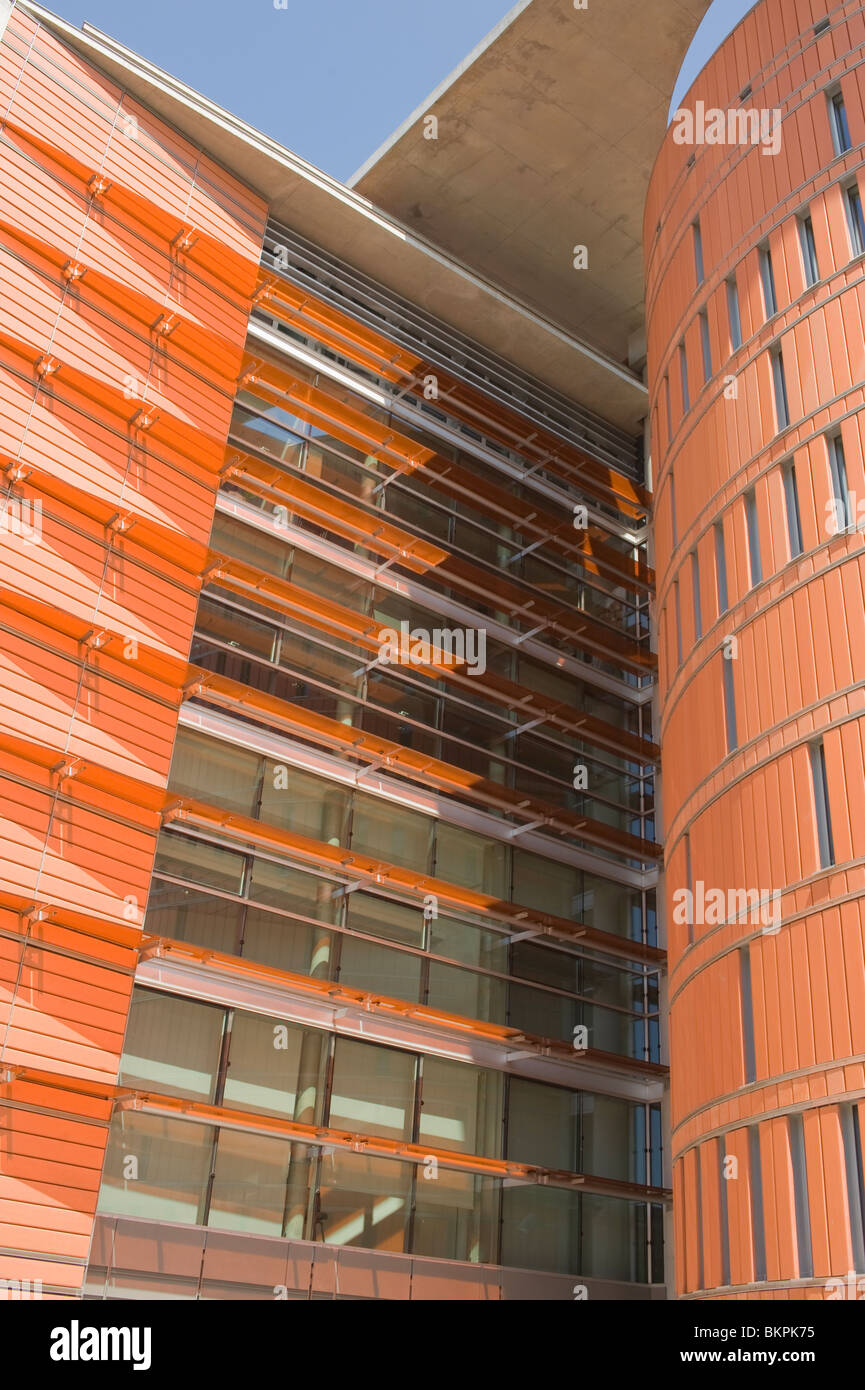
{"x": 755, "y": 245}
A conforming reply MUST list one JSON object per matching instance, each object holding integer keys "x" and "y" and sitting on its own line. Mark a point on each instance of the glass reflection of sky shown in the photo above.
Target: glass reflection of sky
{"x": 274, "y": 421}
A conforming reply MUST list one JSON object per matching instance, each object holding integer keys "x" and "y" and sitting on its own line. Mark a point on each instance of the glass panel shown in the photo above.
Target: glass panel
{"x": 214, "y": 771}
{"x": 614, "y": 1239}
{"x": 656, "y": 1131}
{"x": 651, "y": 917}
{"x": 185, "y": 915}
{"x": 472, "y": 945}
{"x": 418, "y": 511}
{"x": 372, "y": 1089}
{"x": 613, "y": 1032}
{"x": 569, "y": 1233}
{"x": 273, "y": 422}
{"x": 307, "y": 654}
{"x": 379, "y": 969}
{"x": 249, "y": 1183}
{"x": 185, "y": 857}
{"x": 404, "y": 703}
{"x": 606, "y": 905}
{"x": 471, "y": 860}
{"x": 543, "y": 1125}
{"x": 363, "y": 1201}
{"x": 292, "y": 890}
{"x": 463, "y": 992}
{"x": 382, "y": 829}
{"x": 575, "y": 1131}
{"x": 172, "y": 1045}
{"x": 156, "y": 1168}
{"x": 610, "y": 1137}
{"x": 456, "y": 1216}
{"x": 380, "y": 917}
{"x": 479, "y": 733}
{"x": 541, "y": 1229}
{"x": 300, "y": 801}
{"x": 482, "y": 542}
{"x": 462, "y": 1108}
{"x": 545, "y": 1015}
{"x": 546, "y": 682}
{"x": 657, "y": 1228}
{"x": 285, "y": 944}
{"x": 546, "y": 966}
{"x": 352, "y": 476}
{"x": 274, "y": 1067}
{"x": 235, "y": 629}
{"x": 248, "y": 544}
{"x": 544, "y": 884}
{"x": 329, "y": 581}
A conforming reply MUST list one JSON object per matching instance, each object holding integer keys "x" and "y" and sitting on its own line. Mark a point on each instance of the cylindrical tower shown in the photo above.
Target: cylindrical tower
{"x": 755, "y": 240}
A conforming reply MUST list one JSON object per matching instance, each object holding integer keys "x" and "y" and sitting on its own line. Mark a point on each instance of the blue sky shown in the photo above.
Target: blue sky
{"x": 328, "y": 78}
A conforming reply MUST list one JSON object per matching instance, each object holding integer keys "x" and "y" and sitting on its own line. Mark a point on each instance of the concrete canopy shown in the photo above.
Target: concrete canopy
{"x": 546, "y": 137}
{"x": 347, "y": 222}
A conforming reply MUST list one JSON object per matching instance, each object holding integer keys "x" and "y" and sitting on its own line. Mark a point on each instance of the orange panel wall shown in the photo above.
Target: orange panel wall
{"x": 127, "y": 267}
{"x": 767, "y": 1016}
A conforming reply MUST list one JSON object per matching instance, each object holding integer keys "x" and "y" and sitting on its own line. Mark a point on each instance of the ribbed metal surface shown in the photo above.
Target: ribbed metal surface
{"x": 345, "y": 288}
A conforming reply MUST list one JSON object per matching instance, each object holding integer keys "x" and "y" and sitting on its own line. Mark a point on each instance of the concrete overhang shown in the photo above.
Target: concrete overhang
{"x": 346, "y": 222}
{"x": 546, "y": 136}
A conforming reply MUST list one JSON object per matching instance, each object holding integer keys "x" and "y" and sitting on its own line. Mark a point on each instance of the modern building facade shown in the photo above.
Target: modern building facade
{"x": 755, "y": 258}
{"x": 332, "y": 963}
{"x": 335, "y": 897}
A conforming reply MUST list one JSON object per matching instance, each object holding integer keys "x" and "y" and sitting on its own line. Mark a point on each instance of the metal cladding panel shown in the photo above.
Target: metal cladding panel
{"x": 140, "y": 1258}
{"x": 129, "y": 261}
{"x": 766, "y": 1017}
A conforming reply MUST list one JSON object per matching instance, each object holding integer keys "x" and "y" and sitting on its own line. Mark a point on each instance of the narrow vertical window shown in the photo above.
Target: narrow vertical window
{"x": 698, "y": 253}
{"x": 706, "y": 345}
{"x": 779, "y": 381}
{"x": 723, "y": 1213}
{"x": 767, "y": 279}
{"x": 695, "y": 590}
{"x": 796, "y": 1133}
{"x": 747, "y": 1014}
{"x": 673, "y": 520}
{"x": 852, "y": 1138}
{"x": 758, "y": 1224}
{"x": 721, "y": 568}
{"x": 753, "y": 525}
{"x": 678, "y": 623}
{"x": 838, "y": 478}
{"x": 839, "y": 123}
{"x": 855, "y": 220}
{"x": 683, "y": 368}
{"x": 809, "y": 251}
{"x": 733, "y": 314}
{"x": 794, "y": 519}
{"x": 825, "y": 843}
{"x": 689, "y": 876}
{"x": 729, "y": 703}
{"x": 669, "y": 409}
{"x": 701, "y": 1272}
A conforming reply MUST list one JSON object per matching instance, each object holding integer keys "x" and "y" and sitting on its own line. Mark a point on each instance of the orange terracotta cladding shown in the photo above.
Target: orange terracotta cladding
{"x": 127, "y": 269}
{"x": 761, "y": 637}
